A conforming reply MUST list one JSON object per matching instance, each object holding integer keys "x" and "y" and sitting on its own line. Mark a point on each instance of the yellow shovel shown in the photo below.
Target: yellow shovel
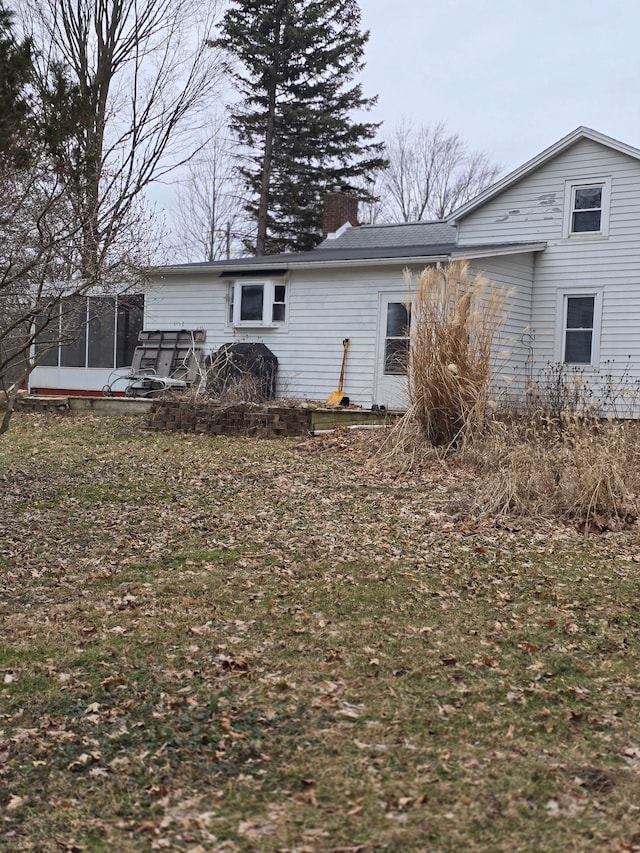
{"x": 337, "y": 398}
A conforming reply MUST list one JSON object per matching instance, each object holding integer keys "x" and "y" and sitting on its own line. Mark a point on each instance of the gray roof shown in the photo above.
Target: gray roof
{"x": 362, "y": 243}
{"x": 392, "y": 236}
{"x": 365, "y": 242}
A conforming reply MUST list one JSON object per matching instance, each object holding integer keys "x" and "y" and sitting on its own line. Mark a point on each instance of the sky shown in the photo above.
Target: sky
{"x": 511, "y": 77}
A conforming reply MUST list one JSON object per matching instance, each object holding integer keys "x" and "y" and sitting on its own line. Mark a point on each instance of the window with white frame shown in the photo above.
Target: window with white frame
{"x": 587, "y": 208}
{"x": 257, "y": 303}
{"x": 396, "y": 340}
{"x": 580, "y": 327}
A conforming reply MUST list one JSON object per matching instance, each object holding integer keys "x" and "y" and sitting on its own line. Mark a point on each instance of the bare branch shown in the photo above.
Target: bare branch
{"x": 210, "y": 203}
{"x": 142, "y": 71}
{"x": 430, "y": 173}
{"x": 119, "y": 87}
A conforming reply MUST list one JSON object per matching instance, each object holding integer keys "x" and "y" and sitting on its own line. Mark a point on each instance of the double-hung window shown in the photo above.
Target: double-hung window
{"x": 257, "y": 303}
{"x": 580, "y": 314}
{"x": 587, "y": 208}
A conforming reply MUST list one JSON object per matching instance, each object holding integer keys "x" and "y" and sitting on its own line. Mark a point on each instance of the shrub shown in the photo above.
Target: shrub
{"x": 560, "y": 389}
{"x": 241, "y": 373}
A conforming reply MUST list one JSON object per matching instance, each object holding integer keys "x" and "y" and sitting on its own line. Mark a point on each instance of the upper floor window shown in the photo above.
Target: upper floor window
{"x": 257, "y": 303}
{"x": 587, "y": 208}
{"x": 586, "y": 212}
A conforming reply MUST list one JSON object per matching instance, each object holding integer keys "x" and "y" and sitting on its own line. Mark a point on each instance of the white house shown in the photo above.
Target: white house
{"x": 561, "y": 233}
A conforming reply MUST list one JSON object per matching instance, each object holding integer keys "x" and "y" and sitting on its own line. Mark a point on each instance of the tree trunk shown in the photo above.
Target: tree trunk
{"x": 269, "y": 137}
{"x": 10, "y": 398}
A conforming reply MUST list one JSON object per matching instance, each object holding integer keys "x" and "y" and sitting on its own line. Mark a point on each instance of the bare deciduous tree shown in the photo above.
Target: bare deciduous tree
{"x": 117, "y": 89}
{"x": 42, "y": 305}
{"x": 210, "y": 203}
{"x": 431, "y": 172}
{"x": 122, "y": 83}
{"x": 37, "y": 231}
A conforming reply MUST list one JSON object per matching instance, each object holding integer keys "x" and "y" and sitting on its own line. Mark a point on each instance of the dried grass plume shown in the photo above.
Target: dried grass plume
{"x": 456, "y": 317}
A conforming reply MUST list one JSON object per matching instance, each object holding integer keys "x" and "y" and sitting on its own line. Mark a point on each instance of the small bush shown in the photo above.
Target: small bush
{"x": 239, "y": 377}
{"x": 560, "y": 389}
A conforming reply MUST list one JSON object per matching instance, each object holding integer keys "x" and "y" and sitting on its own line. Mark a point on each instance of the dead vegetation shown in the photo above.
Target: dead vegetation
{"x": 566, "y": 458}
{"x": 574, "y": 470}
{"x": 456, "y": 318}
{"x": 241, "y": 373}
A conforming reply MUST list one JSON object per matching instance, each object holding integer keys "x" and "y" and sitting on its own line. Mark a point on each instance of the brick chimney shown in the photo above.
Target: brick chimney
{"x": 339, "y": 208}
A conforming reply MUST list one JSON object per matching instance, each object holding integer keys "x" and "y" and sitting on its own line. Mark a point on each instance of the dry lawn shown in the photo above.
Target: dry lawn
{"x": 233, "y": 645}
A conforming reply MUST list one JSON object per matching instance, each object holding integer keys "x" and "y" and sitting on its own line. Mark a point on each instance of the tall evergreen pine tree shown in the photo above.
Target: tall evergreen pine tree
{"x": 294, "y": 66}
{"x": 15, "y": 74}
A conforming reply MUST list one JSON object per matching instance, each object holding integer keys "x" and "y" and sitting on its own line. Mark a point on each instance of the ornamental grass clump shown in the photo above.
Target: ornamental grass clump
{"x": 457, "y": 316}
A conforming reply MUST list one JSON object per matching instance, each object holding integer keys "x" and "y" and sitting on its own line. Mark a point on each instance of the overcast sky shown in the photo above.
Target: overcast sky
{"x": 510, "y": 76}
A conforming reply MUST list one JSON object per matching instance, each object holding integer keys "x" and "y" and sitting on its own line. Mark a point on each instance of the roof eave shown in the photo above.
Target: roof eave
{"x": 472, "y": 252}
{"x": 403, "y": 261}
{"x": 297, "y": 265}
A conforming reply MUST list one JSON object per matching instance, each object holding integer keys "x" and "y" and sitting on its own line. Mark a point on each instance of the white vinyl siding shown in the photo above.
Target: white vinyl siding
{"x": 513, "y": 346}
{"x": 323, "y": 307}
{"x": 617, "y": 280}
{"x": 326, "y": 306}
{"x": 534, "y": 209}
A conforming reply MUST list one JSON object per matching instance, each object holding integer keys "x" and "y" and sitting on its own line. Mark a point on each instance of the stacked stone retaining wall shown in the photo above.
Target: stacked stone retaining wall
{"x": 57, "y": 405}
{"x": 260, "y": 421}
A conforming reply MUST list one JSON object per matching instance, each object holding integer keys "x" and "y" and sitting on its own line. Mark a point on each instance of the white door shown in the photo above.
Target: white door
{"x": 394, "y": 317}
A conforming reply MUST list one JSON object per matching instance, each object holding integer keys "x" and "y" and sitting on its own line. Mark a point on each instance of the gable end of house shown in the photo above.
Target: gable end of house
{"x": 536, "y": 162}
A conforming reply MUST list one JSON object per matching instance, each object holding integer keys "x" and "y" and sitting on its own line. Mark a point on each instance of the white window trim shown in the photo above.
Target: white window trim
{"x": 234, "y": 295}
{"x": 561, "y": 323}
{"x": 408, "y": 305}
{"x": 570, "y": 186}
